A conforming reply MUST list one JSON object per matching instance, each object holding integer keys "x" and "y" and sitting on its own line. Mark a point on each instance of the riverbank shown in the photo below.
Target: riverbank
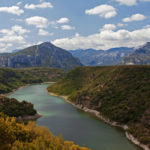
{"x": 26, "y": 118}
{"x": 7, "y": 94}
{"x": 106, "y": 120}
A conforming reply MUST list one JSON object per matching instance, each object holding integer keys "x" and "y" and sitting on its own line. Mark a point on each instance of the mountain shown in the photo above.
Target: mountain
{"x": 16, "y": 50}
{"x": 141, "y": 56}
{"x": 91, "y": 57}
{"x": 43, "y": 55}
{"x": 120, "y": 93}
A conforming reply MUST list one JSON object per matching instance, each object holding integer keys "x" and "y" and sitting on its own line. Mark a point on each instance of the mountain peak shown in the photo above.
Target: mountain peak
{"x": 46, "y": 44}
{"x": 42, "y": 55}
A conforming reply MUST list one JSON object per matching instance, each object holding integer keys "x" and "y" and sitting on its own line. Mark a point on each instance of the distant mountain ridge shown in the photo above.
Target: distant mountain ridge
{"x": 91, "y": 57}
{"x": 141, "y": 56}
{"x": 43, "y": 55}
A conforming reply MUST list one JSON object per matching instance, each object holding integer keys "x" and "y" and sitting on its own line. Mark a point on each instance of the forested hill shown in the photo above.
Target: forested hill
{"x": 14, "y": 78}
{"x": 121, "y": 93}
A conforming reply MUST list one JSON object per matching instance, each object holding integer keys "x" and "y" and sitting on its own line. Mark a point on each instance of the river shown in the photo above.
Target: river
{"x": 75, "y": 125}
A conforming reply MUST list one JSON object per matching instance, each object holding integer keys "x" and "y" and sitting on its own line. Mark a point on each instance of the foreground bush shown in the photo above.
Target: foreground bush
{"x": 17, "y": 136}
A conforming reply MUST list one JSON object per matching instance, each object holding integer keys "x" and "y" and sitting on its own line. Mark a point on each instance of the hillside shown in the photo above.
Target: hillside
{"x": 17, "y": 136}
{"x": 43, "y": 55}
{"x": 120, "y": 93}
{"x": 91, "y": 57}
{"x": 140, "y": 57}
{"x": 11, "y": 79}
{"x": 14, "y": 108}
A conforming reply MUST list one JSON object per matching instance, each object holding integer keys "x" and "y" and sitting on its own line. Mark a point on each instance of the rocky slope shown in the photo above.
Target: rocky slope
{"x": 120, "y": 93}
{"x": 43, "y": 55}
{"x": 140, "y": 57}
{"x": 91, "y": 57}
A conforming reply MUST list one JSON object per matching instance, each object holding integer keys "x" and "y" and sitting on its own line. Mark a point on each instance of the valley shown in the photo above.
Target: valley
{"x": 72, "y": 124}
{"x": 75, "y": 75}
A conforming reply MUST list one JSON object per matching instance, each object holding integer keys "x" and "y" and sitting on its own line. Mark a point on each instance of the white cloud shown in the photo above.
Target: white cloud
{"x": 145, "y": 0}
{"x": 55, "y": 24}
{"x": 63, "y": 20}
{"x": 39, "y": 22}
{"x": 105, "y": 11}
{"x": 4, "y": 47}
{"x": 12, "y": 39}
{"x": 108, "y": 27}
{"x": 44, "y": 33}
{"x": 67, "y": 27}
{"x": 135, "y": 17}
{"x": 19, "y": 3}
{"x": 42, "y": 5}
{"x": 127, "y": 2}
{"x": 20, "y": 30}
{"x": 121, "y": 24}
{"x": 14, "y": 30}
{"x": 9, "y": 37}
{"x": 12, "y": 10}
{"x": 106, "y": 39}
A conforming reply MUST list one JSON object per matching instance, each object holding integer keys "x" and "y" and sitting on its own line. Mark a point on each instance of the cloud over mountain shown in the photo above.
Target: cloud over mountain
{"x": 106, "y": 39}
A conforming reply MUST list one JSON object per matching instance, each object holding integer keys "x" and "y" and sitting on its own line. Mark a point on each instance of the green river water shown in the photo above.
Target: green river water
{"x": 63, "y": 119}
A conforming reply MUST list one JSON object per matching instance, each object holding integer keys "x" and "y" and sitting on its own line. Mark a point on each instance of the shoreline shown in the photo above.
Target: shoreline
{"x": 7, "y": 94}
{"x": 129, "y": 136}
{"x": 28, "y": 117}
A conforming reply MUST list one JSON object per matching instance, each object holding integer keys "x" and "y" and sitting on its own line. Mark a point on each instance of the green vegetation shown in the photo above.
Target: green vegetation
{"x": 14, "y": 108}
{"x": 17, "y": 136}
{"x": 121, "y": 93}
{"x": 14, "y": 78}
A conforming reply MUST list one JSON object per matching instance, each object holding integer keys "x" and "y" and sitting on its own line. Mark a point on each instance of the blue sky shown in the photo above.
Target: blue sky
{"x": 74, "y": 24}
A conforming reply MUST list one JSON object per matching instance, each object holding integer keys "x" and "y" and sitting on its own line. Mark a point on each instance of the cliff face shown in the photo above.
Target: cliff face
{"x": 43, "y": 55}
{"x": 120, "y": 93}
{"x": 140, "y": 57}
